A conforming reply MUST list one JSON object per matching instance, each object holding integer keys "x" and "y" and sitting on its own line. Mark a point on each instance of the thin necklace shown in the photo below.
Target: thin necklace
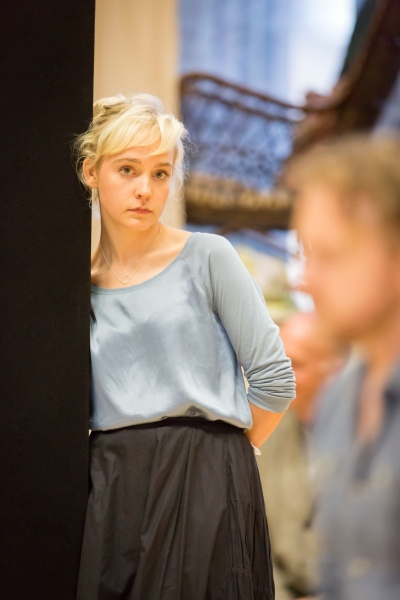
{"x": 126, "y": 279}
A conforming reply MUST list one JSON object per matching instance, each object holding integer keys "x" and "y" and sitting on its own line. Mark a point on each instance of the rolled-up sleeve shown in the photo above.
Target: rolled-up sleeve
{"x": 240, "y": 304}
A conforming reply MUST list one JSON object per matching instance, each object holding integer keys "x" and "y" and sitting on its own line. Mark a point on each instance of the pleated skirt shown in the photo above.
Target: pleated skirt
{"x": 175, "y": 512}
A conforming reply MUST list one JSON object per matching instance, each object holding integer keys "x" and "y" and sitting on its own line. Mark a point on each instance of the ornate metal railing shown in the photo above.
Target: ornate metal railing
{"x": 241, "y": 139}
{"x": 239, "y": 142}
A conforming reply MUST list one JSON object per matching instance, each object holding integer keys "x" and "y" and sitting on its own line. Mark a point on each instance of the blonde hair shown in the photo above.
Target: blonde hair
{"x": 120, "y": 122}
{"x": 360, "y": 168}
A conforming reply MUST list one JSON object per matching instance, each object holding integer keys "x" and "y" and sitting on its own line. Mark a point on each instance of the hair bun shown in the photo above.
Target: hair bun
{"x": 101, "y": 106}
{"x": 147, "y": 100}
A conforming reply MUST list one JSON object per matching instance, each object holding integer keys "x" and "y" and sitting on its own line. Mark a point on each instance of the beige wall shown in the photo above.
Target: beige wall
{"x": 136, "y": 50}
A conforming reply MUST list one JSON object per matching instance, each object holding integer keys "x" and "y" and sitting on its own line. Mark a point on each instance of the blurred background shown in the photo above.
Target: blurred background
{"x": 254, "y": 81}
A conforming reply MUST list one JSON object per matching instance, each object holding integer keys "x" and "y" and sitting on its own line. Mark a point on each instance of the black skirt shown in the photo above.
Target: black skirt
{"x": 175, "y": 512}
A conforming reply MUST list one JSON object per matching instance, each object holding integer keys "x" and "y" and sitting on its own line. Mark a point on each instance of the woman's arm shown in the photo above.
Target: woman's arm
{"x": 264, "y": 423}
{"x": 240, "y": 305}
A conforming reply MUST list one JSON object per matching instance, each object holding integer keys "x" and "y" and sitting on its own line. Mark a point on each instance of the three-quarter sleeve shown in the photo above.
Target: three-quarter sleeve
{"x": 240, "y": 305}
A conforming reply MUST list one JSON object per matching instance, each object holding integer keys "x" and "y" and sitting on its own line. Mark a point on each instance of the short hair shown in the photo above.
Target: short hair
{"x": 359, "y": 168}
{"x": 123, "y": 121}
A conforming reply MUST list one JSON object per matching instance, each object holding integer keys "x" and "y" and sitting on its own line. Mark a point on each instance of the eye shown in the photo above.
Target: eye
{"x": 126, "y": 170}
{"x": 161, "y": 174}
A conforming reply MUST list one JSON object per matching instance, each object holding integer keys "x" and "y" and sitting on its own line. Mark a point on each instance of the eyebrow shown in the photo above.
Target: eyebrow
{"x": 139, "y": 162}
{"x": 135, "y": 160}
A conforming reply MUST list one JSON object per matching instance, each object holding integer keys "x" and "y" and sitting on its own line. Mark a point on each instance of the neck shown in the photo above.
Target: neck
{"x": 121, "y": 245}
{"x": 381, "y": 345}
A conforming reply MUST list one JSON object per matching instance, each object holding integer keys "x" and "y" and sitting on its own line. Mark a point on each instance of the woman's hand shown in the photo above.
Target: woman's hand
{"x": 264, "y": 423}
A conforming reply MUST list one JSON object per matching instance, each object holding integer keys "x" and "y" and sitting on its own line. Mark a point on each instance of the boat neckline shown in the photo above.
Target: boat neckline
{"x": 129, "y": 288}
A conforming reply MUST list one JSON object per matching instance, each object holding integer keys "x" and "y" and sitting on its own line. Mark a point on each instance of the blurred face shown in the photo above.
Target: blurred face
{"x": 313, "y": 358}
{"x": 133, "y": 186}
{"x": 352, "y": 268}
{"x": 306, "y": 363}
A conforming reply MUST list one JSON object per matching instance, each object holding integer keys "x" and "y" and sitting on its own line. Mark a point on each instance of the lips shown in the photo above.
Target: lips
{"x": 140, "y": 210}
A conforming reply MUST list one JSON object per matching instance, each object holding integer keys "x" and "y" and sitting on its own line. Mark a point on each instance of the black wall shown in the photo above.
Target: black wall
{"x": 46, "y": 73}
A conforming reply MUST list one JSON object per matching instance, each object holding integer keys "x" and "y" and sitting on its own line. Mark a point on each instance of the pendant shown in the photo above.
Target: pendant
{"x": 125, "y": 279}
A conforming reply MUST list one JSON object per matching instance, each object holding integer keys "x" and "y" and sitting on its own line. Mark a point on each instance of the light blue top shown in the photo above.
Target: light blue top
{"x": 174, "y": 345}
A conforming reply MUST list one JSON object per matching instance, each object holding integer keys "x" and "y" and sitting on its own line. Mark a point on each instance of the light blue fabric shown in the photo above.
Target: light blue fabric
{"x": 173, "y": 345}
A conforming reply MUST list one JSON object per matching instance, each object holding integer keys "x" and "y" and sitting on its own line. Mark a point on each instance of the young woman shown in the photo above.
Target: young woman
{"x": 175, "y": 510}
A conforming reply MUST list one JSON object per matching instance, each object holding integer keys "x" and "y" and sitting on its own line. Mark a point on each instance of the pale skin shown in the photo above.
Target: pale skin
{"x": 136, "y": 179}
{"x": 353, "y": 273}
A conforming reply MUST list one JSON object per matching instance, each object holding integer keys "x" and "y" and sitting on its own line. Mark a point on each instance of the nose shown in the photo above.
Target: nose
{"x": 143, "y": 187}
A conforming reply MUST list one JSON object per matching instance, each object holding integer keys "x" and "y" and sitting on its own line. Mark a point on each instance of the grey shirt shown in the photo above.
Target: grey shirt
{"x": 174, "y": 345}
{"x": 359, "y": 493}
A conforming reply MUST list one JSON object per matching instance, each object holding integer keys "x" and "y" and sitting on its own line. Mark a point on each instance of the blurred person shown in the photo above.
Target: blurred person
{"x": 347, "y": 214}
{"x": 284, "y": 464}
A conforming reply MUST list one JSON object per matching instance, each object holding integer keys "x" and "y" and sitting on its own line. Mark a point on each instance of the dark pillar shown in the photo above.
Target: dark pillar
{"x": 46, "y": 73}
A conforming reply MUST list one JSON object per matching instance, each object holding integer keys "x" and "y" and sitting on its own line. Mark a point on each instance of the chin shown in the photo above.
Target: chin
{"x": 140, "y": 224}
{"x": 349, "y": 332}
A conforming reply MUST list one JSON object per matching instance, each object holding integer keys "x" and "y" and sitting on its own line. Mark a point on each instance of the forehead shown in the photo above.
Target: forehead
{"x": 143, "y": 155}
{"x": 320, "y": 215}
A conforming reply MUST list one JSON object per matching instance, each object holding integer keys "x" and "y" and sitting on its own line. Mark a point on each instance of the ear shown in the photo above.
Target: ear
{"x": 90, "y": 173}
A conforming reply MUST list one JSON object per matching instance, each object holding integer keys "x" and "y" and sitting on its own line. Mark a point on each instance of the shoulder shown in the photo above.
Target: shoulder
{"x": 214, "y": 263}
{"x": 218, "y": 255}
{"x": 213, "y": 241}
{"x": 214, "y": 247}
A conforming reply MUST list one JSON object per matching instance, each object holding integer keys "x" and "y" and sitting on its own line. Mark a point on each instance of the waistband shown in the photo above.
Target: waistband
{"x": 173, "y": 421}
